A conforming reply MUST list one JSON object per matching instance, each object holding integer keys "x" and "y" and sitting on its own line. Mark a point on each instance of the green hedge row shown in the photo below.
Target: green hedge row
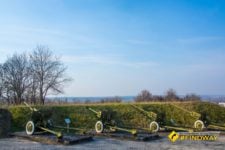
{"x": 126, "y": 115}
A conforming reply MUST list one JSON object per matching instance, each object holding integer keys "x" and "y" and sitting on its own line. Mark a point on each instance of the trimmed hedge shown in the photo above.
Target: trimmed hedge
{"x": 126, "y": 115}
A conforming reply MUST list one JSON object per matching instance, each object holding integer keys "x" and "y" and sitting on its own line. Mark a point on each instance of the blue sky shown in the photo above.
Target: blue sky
{"x": 119, "y": 47}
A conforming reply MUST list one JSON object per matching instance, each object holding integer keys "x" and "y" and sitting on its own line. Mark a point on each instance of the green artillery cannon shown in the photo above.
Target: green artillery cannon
{"x": 198, "y": 125}
{"x": 106, "y": 120}
{"x": 39, "y": 122}
{"x": 212, "y": 125}
{"x": 153, "y": 126}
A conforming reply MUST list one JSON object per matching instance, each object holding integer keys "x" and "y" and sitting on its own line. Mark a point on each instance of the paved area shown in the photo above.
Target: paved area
{"x": 114, "y": 144}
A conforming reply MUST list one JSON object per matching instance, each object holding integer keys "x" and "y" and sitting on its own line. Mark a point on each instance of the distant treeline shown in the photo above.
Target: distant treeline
{"x": 143, "y": 96}
{"x": 146, "y": 96}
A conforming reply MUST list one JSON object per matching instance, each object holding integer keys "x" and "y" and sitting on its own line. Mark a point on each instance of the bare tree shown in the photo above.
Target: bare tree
{"x": 192, "y": 97}
{"x": 145, "y": 95}
{"x": 32, "y": 91}
{"x": 48, "y": 72}
{"x": 171, "y": 95}
{"x": 15, "y": 78}
{"x": 1, "y": 82}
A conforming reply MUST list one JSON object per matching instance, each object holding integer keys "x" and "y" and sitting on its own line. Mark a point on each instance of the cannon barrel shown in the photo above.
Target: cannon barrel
{"x": 97, "y": 113}
{"x": 31, "y": 108}
{"x": 192, "y": 113}
{"x": 150, "y": 115}
{"x": 132, "y": 131}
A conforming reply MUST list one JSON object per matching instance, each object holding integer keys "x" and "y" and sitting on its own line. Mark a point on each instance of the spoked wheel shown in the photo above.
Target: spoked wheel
{"x": 154, "y": 126}
{"x": 99, "y": 127}
{"x": 199, "y": 125}
{"x": 30, "y": 127}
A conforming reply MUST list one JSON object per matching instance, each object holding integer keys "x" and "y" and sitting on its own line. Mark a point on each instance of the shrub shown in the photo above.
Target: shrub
{"x": 144, "y": 96}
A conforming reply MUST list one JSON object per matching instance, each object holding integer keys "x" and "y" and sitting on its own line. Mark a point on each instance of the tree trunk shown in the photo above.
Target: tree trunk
{"x": 42, "y": 100}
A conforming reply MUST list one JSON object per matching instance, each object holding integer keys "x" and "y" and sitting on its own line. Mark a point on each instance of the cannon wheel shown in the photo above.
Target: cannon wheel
{"x": 199, "y": 125}
{"x": 30, "y": 127}
{"x": 154, "y": 126}
{"x": 99, "y": 127}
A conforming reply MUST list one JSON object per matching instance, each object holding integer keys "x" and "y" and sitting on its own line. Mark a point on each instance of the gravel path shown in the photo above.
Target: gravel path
{"x": 114, "y": 144}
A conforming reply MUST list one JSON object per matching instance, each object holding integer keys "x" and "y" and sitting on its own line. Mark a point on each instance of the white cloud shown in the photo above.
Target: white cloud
{"x": 28, "y": 30}
{"x": 106, "y": 60}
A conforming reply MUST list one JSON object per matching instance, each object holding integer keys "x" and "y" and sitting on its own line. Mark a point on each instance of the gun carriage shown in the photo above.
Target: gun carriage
{"x": 40, "y": 121}
{"x": 106, "y": 121}
{"x": 153, "y": 125}
{"x": 197, "y": 125}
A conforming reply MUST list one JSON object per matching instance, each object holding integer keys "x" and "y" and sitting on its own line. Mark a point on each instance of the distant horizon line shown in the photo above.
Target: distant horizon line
{"x": 201, "y": 95}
